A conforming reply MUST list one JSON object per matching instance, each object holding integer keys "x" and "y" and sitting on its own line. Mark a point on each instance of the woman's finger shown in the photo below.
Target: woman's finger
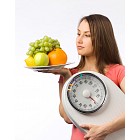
{"x": 85, "y": 126}
{"x": 86, "y": 136}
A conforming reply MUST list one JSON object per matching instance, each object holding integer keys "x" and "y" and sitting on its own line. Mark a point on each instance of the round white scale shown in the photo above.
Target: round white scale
{"x": 92, "y": 98}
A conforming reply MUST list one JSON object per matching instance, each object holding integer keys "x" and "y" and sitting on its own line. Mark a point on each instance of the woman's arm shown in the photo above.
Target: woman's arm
{"x": 116, "y": 124}
{"x": 61, "y": 109}
{"x": 122, "y": 85}
{"x": 100, "y": 132}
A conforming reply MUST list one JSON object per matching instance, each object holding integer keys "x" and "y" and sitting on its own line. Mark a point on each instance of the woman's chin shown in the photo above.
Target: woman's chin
{"x": 80, "y": 53}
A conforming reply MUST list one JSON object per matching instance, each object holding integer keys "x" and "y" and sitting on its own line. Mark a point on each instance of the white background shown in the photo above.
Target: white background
{"x": 37, "y": 94}
{"x": 22, "y": 102}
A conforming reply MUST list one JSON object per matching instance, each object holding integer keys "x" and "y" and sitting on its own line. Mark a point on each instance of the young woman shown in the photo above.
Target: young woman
{"x": 97, "y": 47}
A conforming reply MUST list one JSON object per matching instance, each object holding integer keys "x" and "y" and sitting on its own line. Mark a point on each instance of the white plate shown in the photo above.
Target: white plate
{"x": 52, "y": 67}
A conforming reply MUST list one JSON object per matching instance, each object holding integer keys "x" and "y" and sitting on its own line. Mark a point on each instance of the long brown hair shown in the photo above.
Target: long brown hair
{"x": 103, "y": 40}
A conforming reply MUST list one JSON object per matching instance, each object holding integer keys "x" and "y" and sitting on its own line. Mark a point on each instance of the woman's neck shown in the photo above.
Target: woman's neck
{"x": 90, "y": 64}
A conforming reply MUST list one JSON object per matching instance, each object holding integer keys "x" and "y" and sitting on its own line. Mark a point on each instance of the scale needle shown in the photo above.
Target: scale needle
{"x": 92, "y": 99}
{"x": 87, "y": 94}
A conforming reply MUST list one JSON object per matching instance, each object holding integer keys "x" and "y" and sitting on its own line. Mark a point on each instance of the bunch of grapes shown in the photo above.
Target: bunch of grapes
{"x": 45, "y": 44}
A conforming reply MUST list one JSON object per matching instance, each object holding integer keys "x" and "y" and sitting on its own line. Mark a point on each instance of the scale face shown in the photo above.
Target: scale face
{"x": 86, "y": 92}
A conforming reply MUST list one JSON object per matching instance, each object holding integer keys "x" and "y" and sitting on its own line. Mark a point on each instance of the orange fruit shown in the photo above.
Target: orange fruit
{"x": 57, "y": 56}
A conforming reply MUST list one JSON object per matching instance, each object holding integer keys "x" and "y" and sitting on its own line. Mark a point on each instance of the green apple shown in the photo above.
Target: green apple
{"x": 41, "y": 59}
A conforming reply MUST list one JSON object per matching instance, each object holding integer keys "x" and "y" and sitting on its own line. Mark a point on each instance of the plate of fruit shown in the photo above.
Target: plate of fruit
{"x": 45, "y": 54}
{"x": 52, "y": 67}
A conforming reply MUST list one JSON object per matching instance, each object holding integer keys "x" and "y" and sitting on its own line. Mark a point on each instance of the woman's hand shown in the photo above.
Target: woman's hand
{"x": 64, "y": 72}
{"x": 95, "y": 132}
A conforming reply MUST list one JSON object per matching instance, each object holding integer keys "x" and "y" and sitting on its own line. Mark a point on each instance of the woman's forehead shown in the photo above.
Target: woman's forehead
{"x": 84, "y": 26}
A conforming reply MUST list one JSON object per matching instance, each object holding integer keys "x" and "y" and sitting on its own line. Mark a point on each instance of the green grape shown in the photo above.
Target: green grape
{"x": 50, "y": 40}
{"x": 50, "y": 48}
{"x": 37, "y": 41}
{"x": 58, "y": 43}
{"x": 47, "y": 49}
{"x": 49, "y": 45}
{"x": 31, "y": 44}
{"x": 57, "y": 46}
{"x": 55, "y": 43}
{"x": 46, "y": 44}
{"x": 36, "y": 45}
{"x": 32, "y": 49}
{"x": 30, "y": 53}
{"x": 27, "y": 53}
{"x": 40, "y": 40}
{"x": 37, "y": 50}
{"x": 42, "y": 49}
{"x": 46, "y": 38}
{"x": 40, "y": 44}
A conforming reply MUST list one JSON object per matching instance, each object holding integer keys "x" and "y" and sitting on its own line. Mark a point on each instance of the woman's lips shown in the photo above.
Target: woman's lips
{"x": 79, "y": 47}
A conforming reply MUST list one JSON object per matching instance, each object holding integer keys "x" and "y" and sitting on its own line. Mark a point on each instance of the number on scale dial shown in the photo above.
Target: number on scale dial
{"x": 86, "y": 92}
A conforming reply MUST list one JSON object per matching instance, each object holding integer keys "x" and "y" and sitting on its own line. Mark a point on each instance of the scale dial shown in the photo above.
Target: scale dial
{"x": 86, "y": 92}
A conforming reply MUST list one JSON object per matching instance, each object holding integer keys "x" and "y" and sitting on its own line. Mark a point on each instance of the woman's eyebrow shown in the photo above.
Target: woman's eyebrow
{"x": 84, "y": 31}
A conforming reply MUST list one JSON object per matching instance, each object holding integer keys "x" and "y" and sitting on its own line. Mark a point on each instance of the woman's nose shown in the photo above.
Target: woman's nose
{"x": 80, "y": 39}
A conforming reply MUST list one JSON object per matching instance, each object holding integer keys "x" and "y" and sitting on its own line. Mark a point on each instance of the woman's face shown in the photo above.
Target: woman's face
{"x": 83, "y": 40}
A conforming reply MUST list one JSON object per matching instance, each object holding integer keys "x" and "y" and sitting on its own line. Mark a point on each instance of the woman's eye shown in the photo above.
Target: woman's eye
{"x": 87, "y": 35}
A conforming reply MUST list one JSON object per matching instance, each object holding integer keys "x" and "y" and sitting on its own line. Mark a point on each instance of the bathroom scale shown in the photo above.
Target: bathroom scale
{"x": 92, "y": 98}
